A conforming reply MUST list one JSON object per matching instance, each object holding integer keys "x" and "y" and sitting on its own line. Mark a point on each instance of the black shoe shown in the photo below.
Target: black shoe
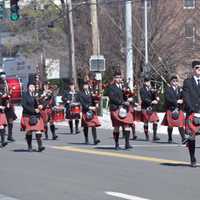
{"x": 77, "y": 131}
{"x": 54, "y": 137}
{"x": 147, "y": 138}
{"x": 193, "y": 163}
{"x": 117, "y": 147}
{"x": 11, "y": 139}
{"x": 41, "y": 149}
{"x": 4, "y": 144}
{"x": 156, "y": 138}
{"x": 97, "y": 142}
{"x": 170, "y": 141}
{"x": 134, "y": 137}
{"x": 30, "y": 149}
{"x": 128, "y": 146}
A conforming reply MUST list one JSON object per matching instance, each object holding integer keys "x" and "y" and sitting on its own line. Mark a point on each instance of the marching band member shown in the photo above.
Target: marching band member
{"x": 31, "y": 120}
{"x": 149, "y": 101}
{"x": 3, "y": 96}
{"x": 46, "y": 98}
{"x": 191, "y": 94}
{"x": 9, "y": 107}
{"x": 174, "y": 116}
{"x": 121, "y": 115}
{"x": 70, "y": 98}
{"x": 89, "y": 116}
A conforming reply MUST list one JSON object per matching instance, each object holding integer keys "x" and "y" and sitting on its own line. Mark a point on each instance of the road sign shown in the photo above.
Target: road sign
{"x": 97, "y": 63}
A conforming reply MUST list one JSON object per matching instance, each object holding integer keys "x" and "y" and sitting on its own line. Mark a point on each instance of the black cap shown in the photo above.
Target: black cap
{"x": 147, "y": 79}
{"x": 118, "y": 72}
{"x": 173, "y": 77}
{"x": 71, "y": 82}
{"x": 195, "y": 63}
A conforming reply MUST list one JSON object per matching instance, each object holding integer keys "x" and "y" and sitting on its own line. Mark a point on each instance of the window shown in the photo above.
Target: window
{"x": 190, "y": 34}
{"x": 189, "y": 4}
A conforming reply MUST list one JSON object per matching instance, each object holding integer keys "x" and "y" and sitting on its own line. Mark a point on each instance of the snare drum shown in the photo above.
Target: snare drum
{"x": 15, "y": 89}
{"x": 58, "y": 114}
{"x": 75, "y": 108}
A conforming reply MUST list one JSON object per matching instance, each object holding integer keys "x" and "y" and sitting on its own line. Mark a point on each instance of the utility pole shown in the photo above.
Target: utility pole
{"x": 129, "y": 42}
{"x": 146, "y": 67}
{"x": 69, "y": 31}
{"x": 95, "y": 28}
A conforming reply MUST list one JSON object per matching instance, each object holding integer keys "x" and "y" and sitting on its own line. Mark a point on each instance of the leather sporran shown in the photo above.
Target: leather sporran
{"x": 149, "y": 110}
{"x": 175, "y": 114}
{"x": 196, "y": 121}
{"x": 123, "y": 112}
{"x": 89, "y": 115}
{"x": 33, "y": 120}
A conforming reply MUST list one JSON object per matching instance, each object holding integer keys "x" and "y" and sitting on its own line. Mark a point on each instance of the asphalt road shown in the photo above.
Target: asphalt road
{"x": 70, "y": 170}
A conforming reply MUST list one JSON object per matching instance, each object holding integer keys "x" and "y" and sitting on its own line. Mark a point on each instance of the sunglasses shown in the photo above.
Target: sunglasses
{"x": 197, "y": 67}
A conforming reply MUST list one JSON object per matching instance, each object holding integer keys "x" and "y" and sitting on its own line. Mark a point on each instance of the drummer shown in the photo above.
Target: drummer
{"x": 70, "y": 99}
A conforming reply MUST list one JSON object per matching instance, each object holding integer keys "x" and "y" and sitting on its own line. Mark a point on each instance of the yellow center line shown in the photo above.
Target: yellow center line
{"x": 118, "y": 155}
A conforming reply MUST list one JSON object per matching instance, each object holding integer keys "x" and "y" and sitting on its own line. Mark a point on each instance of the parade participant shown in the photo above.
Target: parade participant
{"x": 191, "y": 95}
{"x": 120, "y": 111}
{"x": 149, "y": 101}
{"x": 46, "y": 98}
{"x": 127, "y": 93}
{"x": 9, "y": 107}
{"x": 174, "y": 116}
{"x": 89, "y": 116}
{"x": 71, "y": 101}
{"x": 3, "y": 96}
{"x": 31, "y": 120}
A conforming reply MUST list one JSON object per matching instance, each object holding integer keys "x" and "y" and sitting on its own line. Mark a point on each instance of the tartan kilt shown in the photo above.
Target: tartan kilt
{"x": 169, "y": 121}
{"x": 94, "y": 122}
{"x": 117, "y": 121}
{"x": 189, "y": 125}
{"x": 3, "y": 120}
{"x": 44, "y": 115}
{"x": 25, "y": 125}
{"x": 149, "y": 116}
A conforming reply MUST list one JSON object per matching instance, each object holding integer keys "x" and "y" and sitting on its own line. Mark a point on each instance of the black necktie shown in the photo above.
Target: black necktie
{"x": 198, "y": 81}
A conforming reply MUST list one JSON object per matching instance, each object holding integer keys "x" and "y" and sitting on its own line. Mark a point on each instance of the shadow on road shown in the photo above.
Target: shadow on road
{"x": 23, "y": 150}
{"x": 177, "y": 165}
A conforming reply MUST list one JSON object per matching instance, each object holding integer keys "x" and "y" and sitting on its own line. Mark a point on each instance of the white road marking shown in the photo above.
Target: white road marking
{"x": 125, "y": 196}
{"x": 3, "y": 197}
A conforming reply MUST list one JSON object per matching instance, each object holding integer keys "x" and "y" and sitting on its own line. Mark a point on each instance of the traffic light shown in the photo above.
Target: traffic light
{"x": 14, "y": 10}
{"x": 2, "y": 9}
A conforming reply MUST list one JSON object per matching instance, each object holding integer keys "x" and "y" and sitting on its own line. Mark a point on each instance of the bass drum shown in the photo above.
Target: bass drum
{"x": 15, "y": 89}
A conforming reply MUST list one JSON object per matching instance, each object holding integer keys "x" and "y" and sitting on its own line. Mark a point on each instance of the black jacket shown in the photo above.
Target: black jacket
{"x": 29, "y": 104}
{"x": 171, "y": 97}
{"x": 85, "y": 100}
{"x": 67, "y": 96}
{"x": 191, "y": 95}
{"x": 147, "y": 96}
{"x": 116, "y": 97}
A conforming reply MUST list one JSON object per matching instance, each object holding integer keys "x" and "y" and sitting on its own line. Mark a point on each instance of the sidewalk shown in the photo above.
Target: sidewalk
{"x": 106, "y": 122}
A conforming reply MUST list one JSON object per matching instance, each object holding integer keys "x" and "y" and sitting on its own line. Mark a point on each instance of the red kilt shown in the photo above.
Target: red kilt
{"x": 149, "y": 116}
{"x": 189, "y": 125}
{"x": 25, "y": 125}
{"x": 3, "y": 120}
{"x": 94, "y": 122}
{"x": 46, "y": 115}
{"x": 169, "y": 121}
{"x": 117, "y": 121}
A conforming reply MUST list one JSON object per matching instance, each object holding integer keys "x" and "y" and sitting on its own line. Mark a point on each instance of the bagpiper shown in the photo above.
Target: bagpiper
{"x": 72, "y": 107}
{"x": 174, "y": 116}
{"x": 47, "y": 99}
{"x": 31, "y": 120}
{"x": 120, "y": 111}
{"x": 89, "y": 114}
{"x": 191, "y": 95}
{"x": 3, "y": 96}
{"x": 149, "y": 102}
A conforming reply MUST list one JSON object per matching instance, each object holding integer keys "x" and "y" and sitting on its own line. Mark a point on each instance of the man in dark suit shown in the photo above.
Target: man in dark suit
{"x": 149, "y": 102}
{"x": 117, "y": 102}
{"x": 89, "y": 116}
{"x": 69, "y": 98}
{"x": 174, "y": 116}
{"x": 191, "y": 94}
